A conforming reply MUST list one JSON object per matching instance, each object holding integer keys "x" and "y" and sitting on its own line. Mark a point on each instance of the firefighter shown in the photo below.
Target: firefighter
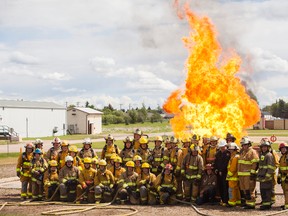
{"x": 39, "y": 166}
{"x": 127, "y": 152}
{"x": 52, "y": 153}
{"x": 73, "y": 151}
{"x": 143, "y": 151}
{"x": 94, "y": 163}
{"x": 138, "y": 161}
{"x": 211, "y": 151}
{"x": 157, "y": 155}
{"x": 68, "y": 178}
{"x": 247, "y": 168}
{"x": 110, "y": 164}
{"x": 195, "y": 139}
{"x": 186, "y": 143}
{"x": 283, "y": 172}
{"x": 51, "y": 180}
{"x": 62, "y": 154}
{"x": 86, "y": 182}
{"x": 205, "y": 145}
{"x": 109, "y": 148}
{"x": 232, "y": 175}
{"x": 230, "y": 138}
{"x": 104, "y": 183}
{"x": 118, "y": 169}
{"x": 38, "y": 144}
{"x": 222, "y": 158}
{"x": 128, "y": 183}
{"x": 146, "y": 185}
{"x": 265, "y": 174}
{"x": 208, "y": 186}
{"x": 166, "y": 185}
{"x": 87, "y": 150}
{"x": 23, "y": 170}
{"x": 191, "y": 171}
{"x": 137, "y": 135}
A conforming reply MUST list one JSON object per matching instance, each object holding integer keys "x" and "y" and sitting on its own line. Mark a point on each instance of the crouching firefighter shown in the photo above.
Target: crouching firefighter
{"x": 166, "y": 185}
{"x": 85, "y": 192}
{"x": 104, "y": 183}
{"x": 127, "y": 182}
{"x": 51, "y": 181}
{"x": 145, "y": 183}
{"x": 68, "y": 178}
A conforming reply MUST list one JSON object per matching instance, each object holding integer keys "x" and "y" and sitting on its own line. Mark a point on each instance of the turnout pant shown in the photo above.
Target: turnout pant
{"x": 234, "y": 193}
{"x": 285, "y": 191}
{"x": 26, "y": 187}
{"x": 266, "y": 193}
{"x": 247, "y": 187}
{"x": 223, "y": 187}
{"x": 166, "y": 198}
{"x": 37, "y": 189}
{"x": 147, "y": 196}
{"x": 102, "y": 196}
{"x": 191, "y": 190}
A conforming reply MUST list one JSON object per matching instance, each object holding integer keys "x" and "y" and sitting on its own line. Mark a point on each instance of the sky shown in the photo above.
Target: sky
{"x": 130, "y": 52}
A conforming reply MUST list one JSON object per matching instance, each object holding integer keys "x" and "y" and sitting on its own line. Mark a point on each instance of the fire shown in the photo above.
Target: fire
{"x": 213, "y": 101}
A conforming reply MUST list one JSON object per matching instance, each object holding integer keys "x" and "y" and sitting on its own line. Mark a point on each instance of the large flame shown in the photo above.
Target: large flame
{"x": 214, "y": 101}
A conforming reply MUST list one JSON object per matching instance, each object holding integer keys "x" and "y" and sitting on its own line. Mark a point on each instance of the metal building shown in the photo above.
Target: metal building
{"x": 82, "y": 120}
{"x": 32, "y": 118}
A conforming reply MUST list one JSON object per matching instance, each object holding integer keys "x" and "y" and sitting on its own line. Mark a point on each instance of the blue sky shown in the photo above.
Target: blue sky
{"x": 130, "y": 51}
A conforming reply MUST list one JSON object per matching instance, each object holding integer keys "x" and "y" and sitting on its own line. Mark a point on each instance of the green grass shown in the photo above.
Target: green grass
{"x": 267, "y": 132}
{"x": 100, "y": 145}
{"x": 11, "y": 155}
{"x": 67, "y": 137}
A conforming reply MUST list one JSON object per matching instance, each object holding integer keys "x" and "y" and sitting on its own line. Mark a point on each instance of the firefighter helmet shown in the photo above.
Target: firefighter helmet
{"x": 174, "y": 140}
{"x": 196, "y": 137}
{"x": 209, "y": 166}
{"x": 222, "y": 143}
{"x": 113, "y": 156}
{"x": 137, "y": 157}
{"x": 53, "y": 163}
{"x": 87, "y": 141}
{"x": 87, "y": 160}
{"x": 245, "y": 141}
{"x": 56, "y": 140}
{"x": 102, "y": 163}
{"x": 138, "y": 131}
{"x": 118, "y": 160}
{"x": 213, "y": 138}
{"x": 38, "y": 141}
{"x": 37, "y": 151}
{"x": 145, "y": 165}
{"x": 185, "y": 140}
{"x": 159, "y": 138}
{"x": 29, "y": 146}
{"x": 68, "y": 158}
{"x": 283, "y": 145}
{"x": 94, "y": 161}
{"x": 231, "y": 137}
{"x": 265, "y": 142}
{"x": 73, "y": 148}
{"x": 233, "y": 146}
{"x": 194, "y": 148}
{"x": 64, "y": 143}
{"x": 130, "y": 164}
{"x": 168, "y": 166}
{"x": 128, "y": 139}
{"x": 143, "y": 140}
{"x": 109, "y": 137}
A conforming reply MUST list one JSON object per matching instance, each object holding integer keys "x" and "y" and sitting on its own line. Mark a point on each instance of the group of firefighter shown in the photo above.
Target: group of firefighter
{"x": 207, "y": 170}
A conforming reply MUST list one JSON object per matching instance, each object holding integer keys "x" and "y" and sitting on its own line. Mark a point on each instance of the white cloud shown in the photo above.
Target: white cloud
{"x": 55, "y": 76}
{"x": 22, "y": 58}
{"x": 68, "y": 90}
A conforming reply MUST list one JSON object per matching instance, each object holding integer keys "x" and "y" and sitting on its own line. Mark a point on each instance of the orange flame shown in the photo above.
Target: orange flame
{"x": 214, "y": 101}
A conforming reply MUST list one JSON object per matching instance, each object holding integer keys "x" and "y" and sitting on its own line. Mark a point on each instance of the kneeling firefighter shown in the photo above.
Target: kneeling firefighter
{"x": 51, "y": 180}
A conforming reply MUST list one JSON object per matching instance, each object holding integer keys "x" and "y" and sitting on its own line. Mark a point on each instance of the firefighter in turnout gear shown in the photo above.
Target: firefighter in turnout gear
{"x": 110, "y": 165}
{"x": 39, "y": 166}
{"x": 191, "y": 171}
{"x": 63, "y": 153}
{"x": 211, "y": 151}
{"x": 283, "y": 172}
{"x": 86, "y": 182}
{"x": 68, "y": 178}
{"x": 87, "y": 150}
{"x": 76, "y": 159}
{"x": 157, "y": 155}
{"x": 137, "y": 160}
{"x": 94, "y": 164}
{"x": 166, "y": 185}
{"x": 51, "y": 180}
{"x": 186, "y": 143}
{"x": 146, "y": 187}
{"x": 230, "y": 138}
{"x": 196, "y": 140}
{"x": 205, "y": 145}
{"x": 109, "y": 149}
{"x": 52, "y": 153}
{"x": 127, "y": 152}
{"x": 232, "y": 175}
{"x": 128, "y": 182}
{"x": 247, "y": 168}
{"x": 137, "y": 135}
{"x": 265, "y": 174}
{"x": 143, "y": 151}
{"x": 118, "y": 169}
{"x": 23, "y": 170}
{"x": 104, "y": 183}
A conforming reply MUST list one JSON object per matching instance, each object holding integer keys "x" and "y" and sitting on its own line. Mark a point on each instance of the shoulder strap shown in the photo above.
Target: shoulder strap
{"x": 116, "y": 148}
{"x": 92, "y": 152}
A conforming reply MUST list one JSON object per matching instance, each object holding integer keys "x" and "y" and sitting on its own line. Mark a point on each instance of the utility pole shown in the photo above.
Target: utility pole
{"x": 120, "y": 106}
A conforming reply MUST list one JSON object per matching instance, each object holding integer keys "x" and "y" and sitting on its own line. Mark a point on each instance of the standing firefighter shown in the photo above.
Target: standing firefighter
{"x": 62, "y": 154}
{"x": 247, "y": 167}
{"x": 23, "y": 170}
{"x": 68, "y": 178}
{"x": 38, "y": 144}
{"x": 186, "y": 143}
{"x": 166, "y": 185}
{"x": 109, "y": 149}
{"x": 191, "y": 170}
{"x": 128, "y": 183}
{"x": 39, "y": 165}
{"x": 211, "y": 151}
{"x": 86, "y": 182}
{"x": 137, "y": 135}
{"x": 145, "y": 183}
{"x": 52, "y": 153}
{"x": 73, "y": 150}
{"x": 265, "y": 174}
{"x": 232, "y": 175}
{"x": 127, "y": 152}
{"x": 144, "y": 152}
{"x": 283, "y": 172}
{"x": 157, "y": 155}
{"x": 104, "y": 183}
{"x": 51, "y": 180}
{"x": 87, "y": 150}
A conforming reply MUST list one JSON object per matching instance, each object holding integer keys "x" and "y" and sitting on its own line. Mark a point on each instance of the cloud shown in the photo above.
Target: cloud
{"x": 68, "y": 90}
{"x": 55, "y": 76}
{"x": 21, "y": 58}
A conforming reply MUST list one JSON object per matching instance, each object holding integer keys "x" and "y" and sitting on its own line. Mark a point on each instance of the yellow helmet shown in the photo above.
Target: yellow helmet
{"x": 130, "y": 164}
{"x": 194, "y": 148}
{"x": 102, "y": 163}
{"x": 64, "y": 143}
{"x": 137, "y": 157}
{"x": 94, "y": 161}
{"x": 118, "y": 160}
{"x": 87, "y": 160}
{"x": 109, "y": 137}
{"x": 53, "y": 163}
{"x": 159, "y": 138}
{"x": 73, "y": 148}
{"x": 196, "y": 137}
{"x": 143, "y": 140}
{"x": 145, "y": 165}
{"x": 113, "y": 156}
{"x": 185, "y": 140}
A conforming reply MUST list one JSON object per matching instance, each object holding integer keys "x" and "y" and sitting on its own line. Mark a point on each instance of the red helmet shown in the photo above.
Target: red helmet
{"x": 169, "y": 166}
{"x": 282, "y": 145}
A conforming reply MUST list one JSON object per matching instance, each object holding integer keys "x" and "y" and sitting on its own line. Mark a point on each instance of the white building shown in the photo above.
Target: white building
{"x": 82, "y": 120}
{"x": 33, "y": 119}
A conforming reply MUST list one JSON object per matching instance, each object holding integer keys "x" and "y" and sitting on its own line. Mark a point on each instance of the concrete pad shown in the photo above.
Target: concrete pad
{"x": 11, "y": 182}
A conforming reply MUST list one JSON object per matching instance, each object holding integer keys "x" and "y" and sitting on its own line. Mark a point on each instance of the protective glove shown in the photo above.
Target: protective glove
{"x": 253, "y": 176}
{"x": 18, "y": 174}
{"x": 279, "y": 180}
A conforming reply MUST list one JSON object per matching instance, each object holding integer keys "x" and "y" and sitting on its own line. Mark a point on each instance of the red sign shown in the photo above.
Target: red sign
{"x": 273, "y": 138}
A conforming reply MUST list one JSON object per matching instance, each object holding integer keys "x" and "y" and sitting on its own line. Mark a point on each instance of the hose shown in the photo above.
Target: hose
{"x": 51, "y": 198}
{"x": 3, "y": 205}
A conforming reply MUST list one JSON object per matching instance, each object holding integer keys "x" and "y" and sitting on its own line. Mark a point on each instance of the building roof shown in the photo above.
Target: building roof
{"x": 88, "y": 110}
{"x": 29, "y": 104}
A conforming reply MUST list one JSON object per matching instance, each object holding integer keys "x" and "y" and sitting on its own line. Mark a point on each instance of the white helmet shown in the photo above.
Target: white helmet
{"x": 68, "y": 158}
{"x": 222, "y": 143}
{"x": 56, "y": 140}
{"x": 233, "y": 146}
{"x": 87, "y": 141}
